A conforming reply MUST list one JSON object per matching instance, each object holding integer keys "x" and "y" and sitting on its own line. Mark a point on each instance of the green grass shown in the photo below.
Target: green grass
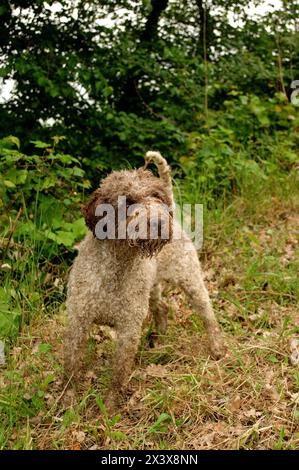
{"x": 179, "y": 398}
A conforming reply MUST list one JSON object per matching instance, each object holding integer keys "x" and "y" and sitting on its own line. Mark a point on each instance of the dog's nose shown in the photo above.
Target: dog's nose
{"x": 157, "y": 225}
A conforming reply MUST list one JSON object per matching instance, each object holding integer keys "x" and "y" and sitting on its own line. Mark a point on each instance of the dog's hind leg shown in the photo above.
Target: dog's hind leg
{"x": 180, "y": 266}
{"x": 159, "y": 309}
{"x": 199, "y": 298}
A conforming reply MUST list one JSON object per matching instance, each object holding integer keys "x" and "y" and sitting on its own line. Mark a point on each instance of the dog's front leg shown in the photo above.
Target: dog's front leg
{"x": 126, "y": 348}
{"x": 79, "y": 323}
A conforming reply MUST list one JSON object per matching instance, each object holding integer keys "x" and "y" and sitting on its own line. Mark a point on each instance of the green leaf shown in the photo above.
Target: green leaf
{"x": 9, "y": 184}
{"x": 49, "y": 182}
{"x": 78, "y": 171}
{"x": 21, "y": 176}
{"x": 79, "y": 228}
{"x": 65, "y": 158}
{"x": 13, "y": 140}
{"x": 39, "y": 144}
{"x": 273, "y": 359}
{"x": 158, "y": 425}
{"x": 69, "y": 417}
{"x": 57, "y": 139}
{"x": 65, "y": 238}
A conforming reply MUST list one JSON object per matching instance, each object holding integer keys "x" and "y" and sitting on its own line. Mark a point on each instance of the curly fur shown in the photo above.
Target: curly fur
{"x": 116, "y": 282}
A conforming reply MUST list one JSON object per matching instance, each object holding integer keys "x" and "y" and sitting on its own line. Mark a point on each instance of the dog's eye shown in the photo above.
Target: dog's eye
{"x": 129, "y": 202}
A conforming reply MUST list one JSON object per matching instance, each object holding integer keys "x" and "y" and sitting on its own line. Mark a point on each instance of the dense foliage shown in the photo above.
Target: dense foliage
{"x": 119, "y": 77}
{"x": 40, "y": 194}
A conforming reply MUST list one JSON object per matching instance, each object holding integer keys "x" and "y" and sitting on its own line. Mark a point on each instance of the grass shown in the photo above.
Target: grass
{"x": 179, "y": 398}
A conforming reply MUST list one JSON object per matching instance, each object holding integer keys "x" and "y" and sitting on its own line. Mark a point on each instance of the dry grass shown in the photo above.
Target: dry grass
{"x": 179, "y": 398}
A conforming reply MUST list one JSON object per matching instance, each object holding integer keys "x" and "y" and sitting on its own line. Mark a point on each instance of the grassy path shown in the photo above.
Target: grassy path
{"x": 179, "y": 398}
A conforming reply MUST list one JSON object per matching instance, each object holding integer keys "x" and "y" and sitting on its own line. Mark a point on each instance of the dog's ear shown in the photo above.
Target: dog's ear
{"x": 89, "y": 210}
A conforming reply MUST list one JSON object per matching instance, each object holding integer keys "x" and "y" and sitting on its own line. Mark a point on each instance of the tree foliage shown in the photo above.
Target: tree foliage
{"x": 116, "y": 78}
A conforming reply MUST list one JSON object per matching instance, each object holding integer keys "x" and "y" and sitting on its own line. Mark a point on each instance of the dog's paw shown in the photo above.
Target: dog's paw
{"x": 218, "y": 348}
{"x": 153, "y": 339}
{"x": 113, "y": 403}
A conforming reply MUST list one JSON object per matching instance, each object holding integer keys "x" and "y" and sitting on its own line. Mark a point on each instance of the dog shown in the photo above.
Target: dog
{"x": 119, "y": 275}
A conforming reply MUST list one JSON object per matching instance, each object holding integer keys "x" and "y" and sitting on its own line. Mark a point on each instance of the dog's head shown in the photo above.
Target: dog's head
{"x": 132, "y": 207}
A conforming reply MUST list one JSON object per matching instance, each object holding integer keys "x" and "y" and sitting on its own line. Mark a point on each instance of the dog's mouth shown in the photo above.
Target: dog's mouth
{"x": 148, "y": 248}
{"x": 149, "y": 235}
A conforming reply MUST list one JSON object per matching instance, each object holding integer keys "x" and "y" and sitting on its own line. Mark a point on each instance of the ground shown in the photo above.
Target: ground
{"x": 179, "y": 398}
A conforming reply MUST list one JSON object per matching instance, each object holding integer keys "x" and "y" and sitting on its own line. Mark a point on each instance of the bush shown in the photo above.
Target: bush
{"x": 40, "y": 197}
{"x": 242, "y": 146}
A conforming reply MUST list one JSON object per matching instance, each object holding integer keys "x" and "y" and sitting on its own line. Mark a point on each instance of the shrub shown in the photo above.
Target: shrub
{"x": 40, "y": 197}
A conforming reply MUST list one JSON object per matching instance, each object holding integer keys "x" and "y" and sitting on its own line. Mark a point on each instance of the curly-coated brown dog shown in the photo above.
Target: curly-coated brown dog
{"x": 116, "y": 279}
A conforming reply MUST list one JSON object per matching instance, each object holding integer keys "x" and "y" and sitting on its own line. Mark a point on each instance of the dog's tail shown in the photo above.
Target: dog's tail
{"x": 163, "y": 168}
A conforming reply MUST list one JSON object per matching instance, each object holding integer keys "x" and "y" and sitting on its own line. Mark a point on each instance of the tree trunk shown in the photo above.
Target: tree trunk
{"x": 205, "y": 29}
{"x": 130, "y": 100}
{"x": 151, "y": 26}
